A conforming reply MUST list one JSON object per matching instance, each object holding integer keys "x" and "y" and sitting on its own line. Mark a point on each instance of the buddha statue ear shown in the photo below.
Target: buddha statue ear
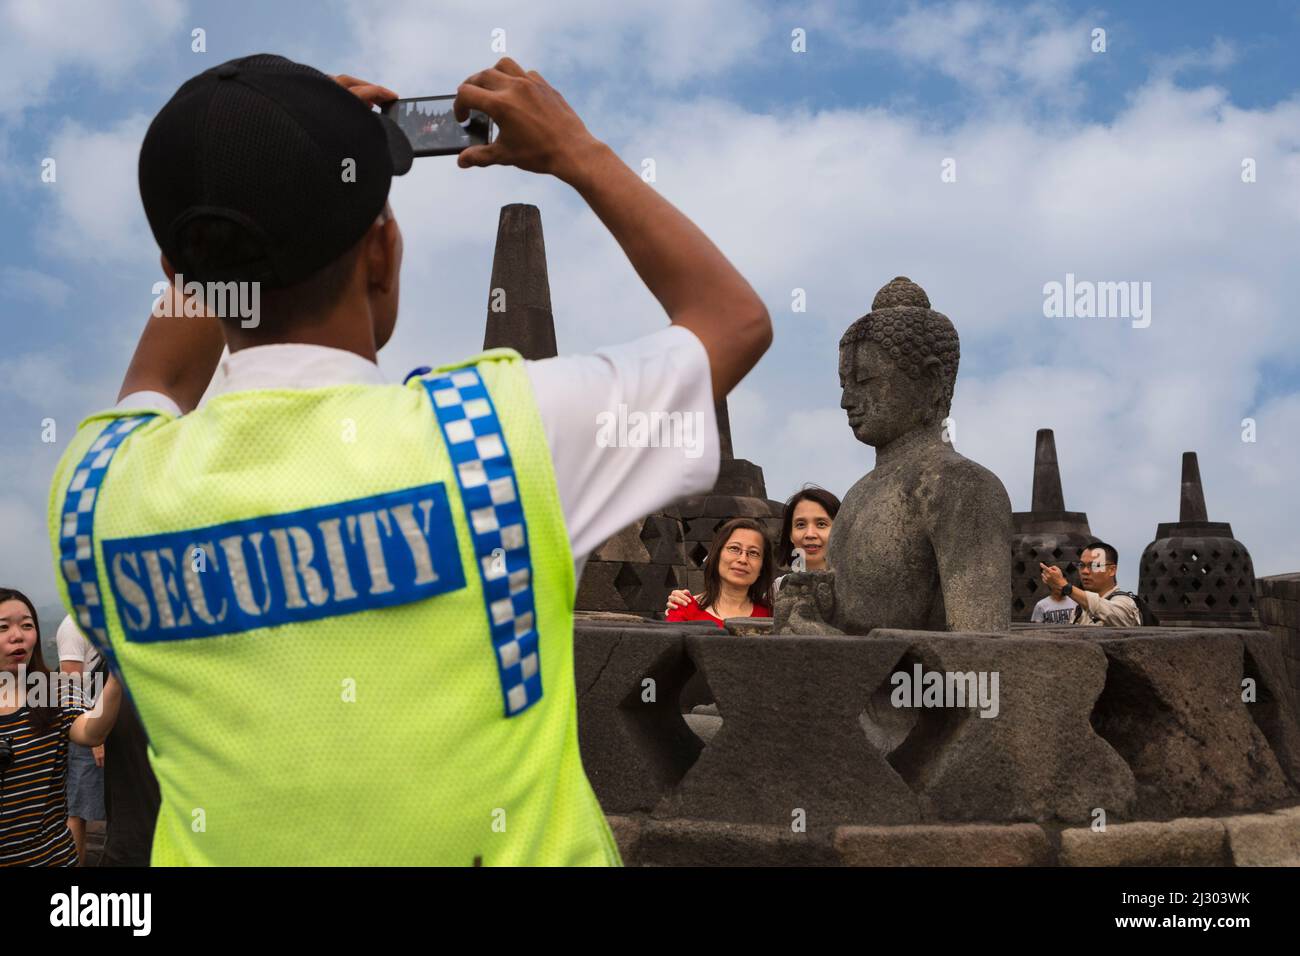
{"x": 937, "y": 384}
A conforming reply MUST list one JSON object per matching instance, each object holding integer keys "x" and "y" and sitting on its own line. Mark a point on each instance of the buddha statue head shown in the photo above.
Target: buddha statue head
{"x": 898, "y": 365}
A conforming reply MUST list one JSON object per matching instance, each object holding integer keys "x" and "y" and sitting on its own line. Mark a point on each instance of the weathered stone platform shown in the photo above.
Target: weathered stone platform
{"x": 1254, "y": 839}
{"x": 808, "y": 761}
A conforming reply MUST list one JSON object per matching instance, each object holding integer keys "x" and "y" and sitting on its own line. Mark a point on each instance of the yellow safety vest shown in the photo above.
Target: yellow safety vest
{"x": 345, "y": 615}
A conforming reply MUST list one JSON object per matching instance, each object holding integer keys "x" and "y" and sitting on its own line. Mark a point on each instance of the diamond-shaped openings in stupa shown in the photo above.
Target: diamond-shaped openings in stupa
{"x": 1194, "y": 566}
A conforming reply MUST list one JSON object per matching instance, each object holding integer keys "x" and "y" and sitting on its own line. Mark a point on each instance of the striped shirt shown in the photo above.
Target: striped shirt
{"x": 33, "y": 791}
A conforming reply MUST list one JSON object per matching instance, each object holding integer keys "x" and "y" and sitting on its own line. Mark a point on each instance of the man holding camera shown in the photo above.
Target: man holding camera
{"x": 1100, "y": 600}
{"x": 242, "y": 560}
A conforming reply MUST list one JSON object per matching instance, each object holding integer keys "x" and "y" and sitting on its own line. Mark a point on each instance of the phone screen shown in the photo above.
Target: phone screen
{"x": 430, "y": 124}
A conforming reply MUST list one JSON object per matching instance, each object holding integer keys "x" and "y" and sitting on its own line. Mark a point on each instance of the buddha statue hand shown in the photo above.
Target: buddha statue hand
{"x": 805, "y": 604}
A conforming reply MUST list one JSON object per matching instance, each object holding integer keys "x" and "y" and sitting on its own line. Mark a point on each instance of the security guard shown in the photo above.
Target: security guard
{"x": 344, "y": 608}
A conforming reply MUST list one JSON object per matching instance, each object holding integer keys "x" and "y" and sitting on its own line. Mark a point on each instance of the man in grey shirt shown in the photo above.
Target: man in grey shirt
{"x": 1100, "y": 600}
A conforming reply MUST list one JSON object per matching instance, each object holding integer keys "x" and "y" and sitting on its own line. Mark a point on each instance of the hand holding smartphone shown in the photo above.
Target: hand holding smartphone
{"x": 430, "y": 124}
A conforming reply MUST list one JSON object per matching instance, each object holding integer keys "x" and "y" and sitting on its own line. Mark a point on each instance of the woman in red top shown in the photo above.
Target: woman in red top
{"x": 737, "y": 576}
{"x": 807, "y": 525}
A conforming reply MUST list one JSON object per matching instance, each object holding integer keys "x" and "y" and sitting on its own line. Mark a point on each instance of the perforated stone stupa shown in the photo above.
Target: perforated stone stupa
{"x": 1195, "y": 572}
{"x": 1046, "y": 533}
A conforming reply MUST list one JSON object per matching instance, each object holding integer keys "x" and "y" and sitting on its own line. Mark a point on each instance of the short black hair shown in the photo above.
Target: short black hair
{"x": 1112, "y": 556}
{"x": 214, "y": 244}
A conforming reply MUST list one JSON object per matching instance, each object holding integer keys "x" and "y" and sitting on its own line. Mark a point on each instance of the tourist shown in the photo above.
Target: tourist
{"x": 737, "y": 576}
{"x": 1100, "y": 600}
{"x": 806, "y": 524}
{"x": 458, "y": 505}
{"x": 1054, "y": 609}
{"x": 131, "y": 795}
{"x": 34, "y": 742}
{"x": 85, "y": 766}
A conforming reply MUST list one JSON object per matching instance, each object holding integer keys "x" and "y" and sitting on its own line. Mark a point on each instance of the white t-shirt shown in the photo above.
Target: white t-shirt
{"x": 74, "y": 646}
{"x": 1052, "y": 610}
{"x": 603, "y": 488}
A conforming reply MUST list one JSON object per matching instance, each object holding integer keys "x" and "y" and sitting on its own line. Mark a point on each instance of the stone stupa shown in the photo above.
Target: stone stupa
{"x": 1195, "y": 572}
{"x": 1046, "y": 533}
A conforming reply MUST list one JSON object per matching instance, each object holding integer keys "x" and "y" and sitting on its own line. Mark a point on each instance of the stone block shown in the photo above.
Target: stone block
{"x": 627, "y": 834}
{"x": 961, "y": 844}
{"x": 790, "y": 738}
{"x": 740, "y": 477}
{"x": 644, "y": 588}
{"x": 1285, "y": 586}
{"x": 626, "y": 545}
{"x": 1172, "y": 707}
{"x": 701, "y": 530}
{"x": 1181, "y": 842}
{"x": 596, "y": 590}
{"x": 1035, "y": 759}
{"x": 711, "y": 843}
{"x": 689, "y": 507}
{"x": 661, "y": 538}
{"x": 1276, "y": 707}
{"x": 1265, "y": 839}
{"x": 1276, "y": 611}
{"x": 633, "y": 749}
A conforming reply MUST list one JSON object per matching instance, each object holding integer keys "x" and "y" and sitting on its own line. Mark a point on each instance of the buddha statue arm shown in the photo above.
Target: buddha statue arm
{"x": 971, "y": 535}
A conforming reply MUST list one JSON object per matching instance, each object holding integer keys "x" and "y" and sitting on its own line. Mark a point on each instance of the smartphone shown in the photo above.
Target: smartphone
{"x": 430, "y": 124}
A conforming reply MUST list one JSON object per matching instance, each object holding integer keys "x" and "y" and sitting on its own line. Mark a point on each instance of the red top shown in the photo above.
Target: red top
{"x": 693, "y": 612}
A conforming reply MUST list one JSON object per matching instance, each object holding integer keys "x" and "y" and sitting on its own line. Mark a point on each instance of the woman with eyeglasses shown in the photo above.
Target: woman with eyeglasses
{"x": 806, "y": 526}
{"x": 737, "y": 576}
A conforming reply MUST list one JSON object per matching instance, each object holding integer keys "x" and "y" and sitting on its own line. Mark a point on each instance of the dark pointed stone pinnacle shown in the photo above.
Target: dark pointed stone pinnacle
{"x": 1047, "y": 474}
{"x": 519, "y": 271}
{"x": 1191, "y": 506}
{"x": 724, "y": 429}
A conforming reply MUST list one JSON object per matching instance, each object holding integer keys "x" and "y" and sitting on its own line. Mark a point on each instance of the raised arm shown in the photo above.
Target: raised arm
{"x": 92, "y": 728}
{"x": 698, "y": 288}
{"x": 176, "y": 355}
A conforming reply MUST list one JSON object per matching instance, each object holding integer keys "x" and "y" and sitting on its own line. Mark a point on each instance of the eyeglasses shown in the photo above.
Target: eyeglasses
{"x": 735, "y": 551}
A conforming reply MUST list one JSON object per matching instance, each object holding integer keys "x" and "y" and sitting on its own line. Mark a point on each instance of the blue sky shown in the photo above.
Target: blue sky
{"x": 816, "y": 170}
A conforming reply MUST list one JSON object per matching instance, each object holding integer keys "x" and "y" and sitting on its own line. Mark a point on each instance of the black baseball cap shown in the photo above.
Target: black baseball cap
{"x": 261, "y": 144}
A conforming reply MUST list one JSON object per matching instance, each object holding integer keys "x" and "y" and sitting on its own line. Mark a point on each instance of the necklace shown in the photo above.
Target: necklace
{"x": 717, "y": 610}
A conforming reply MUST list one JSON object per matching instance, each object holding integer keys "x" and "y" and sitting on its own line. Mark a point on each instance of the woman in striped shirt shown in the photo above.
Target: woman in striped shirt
{"x": 34, "y": 743}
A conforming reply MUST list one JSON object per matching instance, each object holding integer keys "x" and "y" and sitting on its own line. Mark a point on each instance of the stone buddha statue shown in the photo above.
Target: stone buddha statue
{"x": 922, "y": 541}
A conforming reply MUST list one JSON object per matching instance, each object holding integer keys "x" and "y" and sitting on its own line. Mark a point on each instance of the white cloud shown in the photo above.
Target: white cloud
{"x": 107, "y": 38}
{"x": 1220, "y": 55}
{"x": 990, "y": 48}
{"x": 423, "y": 49}
{"x": 32, "y": 285}
{"x": 92, "y": 221}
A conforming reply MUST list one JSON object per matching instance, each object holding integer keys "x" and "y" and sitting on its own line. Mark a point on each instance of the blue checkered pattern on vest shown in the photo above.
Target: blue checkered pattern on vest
{"x": 495, "y": 516}
{"x": 76, "y": 536}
